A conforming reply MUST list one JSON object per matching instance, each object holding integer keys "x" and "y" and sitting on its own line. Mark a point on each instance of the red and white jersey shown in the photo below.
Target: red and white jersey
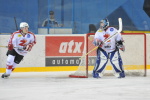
{"x": 110, "y": 45}
{"x": 19, "y": 40}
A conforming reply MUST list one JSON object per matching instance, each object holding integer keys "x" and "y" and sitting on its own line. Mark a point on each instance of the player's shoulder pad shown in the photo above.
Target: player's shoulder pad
{"x": 29, "y": 32}
{"x": 16, "y": 33}
{"x": 99, "y": 30}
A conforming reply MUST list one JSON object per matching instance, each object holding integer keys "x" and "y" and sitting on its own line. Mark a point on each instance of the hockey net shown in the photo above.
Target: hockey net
{"x": 134, "y": 57}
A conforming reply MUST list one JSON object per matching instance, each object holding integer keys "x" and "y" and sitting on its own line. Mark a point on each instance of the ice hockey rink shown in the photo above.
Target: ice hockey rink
{"x": 58, "y": 86}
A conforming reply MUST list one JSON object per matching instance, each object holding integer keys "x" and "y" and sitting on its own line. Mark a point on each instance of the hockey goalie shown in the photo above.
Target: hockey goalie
{"x": 108, "y": 50}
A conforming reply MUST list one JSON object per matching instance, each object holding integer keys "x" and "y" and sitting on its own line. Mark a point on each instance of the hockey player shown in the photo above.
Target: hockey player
{"x": 19, "y": 44}
{"x": 108, "y": 50}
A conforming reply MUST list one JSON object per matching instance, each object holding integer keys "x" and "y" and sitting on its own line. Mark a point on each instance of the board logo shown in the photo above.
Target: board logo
{"x": 70, "y": 47}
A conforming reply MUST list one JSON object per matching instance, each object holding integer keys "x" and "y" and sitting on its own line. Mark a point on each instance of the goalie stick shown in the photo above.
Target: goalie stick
{"x": 120, "y": 29}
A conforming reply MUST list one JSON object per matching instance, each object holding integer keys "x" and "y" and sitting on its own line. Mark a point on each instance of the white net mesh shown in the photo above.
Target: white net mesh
{"x": 81, "y": 71}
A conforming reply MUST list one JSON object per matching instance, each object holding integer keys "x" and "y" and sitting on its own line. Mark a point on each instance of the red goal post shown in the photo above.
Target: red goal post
{"x": 134, "y": 57}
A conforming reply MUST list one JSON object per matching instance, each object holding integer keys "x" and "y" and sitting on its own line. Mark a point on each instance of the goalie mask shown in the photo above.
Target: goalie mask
{"x": 104, "y": 23}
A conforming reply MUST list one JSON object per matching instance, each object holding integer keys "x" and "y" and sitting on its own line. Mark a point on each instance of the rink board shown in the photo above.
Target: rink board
{"x": 35, "y": 61}
{"x": 60, "y": 68}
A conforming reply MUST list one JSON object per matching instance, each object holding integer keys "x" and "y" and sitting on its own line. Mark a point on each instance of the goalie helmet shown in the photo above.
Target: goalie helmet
{"x": 105, "y": 23}
{"x": 24, "y": 24}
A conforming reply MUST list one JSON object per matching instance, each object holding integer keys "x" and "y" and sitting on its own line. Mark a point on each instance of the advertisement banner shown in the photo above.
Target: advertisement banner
{"x": 64, "y": 50}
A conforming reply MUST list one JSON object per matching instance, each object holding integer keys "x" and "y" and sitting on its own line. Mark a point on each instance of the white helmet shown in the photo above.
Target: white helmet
{"x": 24, "y": 24}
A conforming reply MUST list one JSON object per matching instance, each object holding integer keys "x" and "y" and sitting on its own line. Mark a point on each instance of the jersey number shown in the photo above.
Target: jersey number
{"x": 23, "y": 42}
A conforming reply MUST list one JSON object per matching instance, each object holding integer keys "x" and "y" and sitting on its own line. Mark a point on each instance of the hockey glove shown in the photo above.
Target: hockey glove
{"x": 98, "y": 42}
{"x": 10, "y": 46}
{"x": 29, "y": 47}
{"x": 120, "y": 45}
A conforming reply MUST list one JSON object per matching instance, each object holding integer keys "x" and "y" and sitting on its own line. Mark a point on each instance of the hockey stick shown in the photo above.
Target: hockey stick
{"x": 4, "y": 46}
{"x": 16, "y": 29}
{"x": 7, "y": 46}
{"x": 120, "y": 29}
{"x": 16, "y": 23}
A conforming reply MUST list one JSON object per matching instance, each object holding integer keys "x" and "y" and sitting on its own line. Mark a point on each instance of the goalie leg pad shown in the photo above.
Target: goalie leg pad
{"x": 117, "y": 64}
{"x": 101, "y": 61}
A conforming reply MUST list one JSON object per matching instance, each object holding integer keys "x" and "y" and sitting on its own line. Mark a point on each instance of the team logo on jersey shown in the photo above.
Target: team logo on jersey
{"x": 28, "y": 35}
{"x": 111, "y": 29}
{"x": 19, "y": 35}
{"x": 106, "y": 36}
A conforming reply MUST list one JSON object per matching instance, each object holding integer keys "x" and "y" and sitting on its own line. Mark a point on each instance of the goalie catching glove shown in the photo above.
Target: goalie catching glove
{"x": 120, "y": 45}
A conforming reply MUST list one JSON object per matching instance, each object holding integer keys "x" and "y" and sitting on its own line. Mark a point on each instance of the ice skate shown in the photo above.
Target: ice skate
{"x": 95, "y": 75}
{"x": 5, "y": 75}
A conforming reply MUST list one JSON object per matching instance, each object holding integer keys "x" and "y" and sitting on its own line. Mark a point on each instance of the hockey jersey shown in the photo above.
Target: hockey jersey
{"x": 110, "y": 45}
{"x": 19, "y": 40}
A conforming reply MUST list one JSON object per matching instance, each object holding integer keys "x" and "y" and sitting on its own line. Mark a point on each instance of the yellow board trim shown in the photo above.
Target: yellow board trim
{"x": 136, "y": 31}
{"x": 65, "y": 68}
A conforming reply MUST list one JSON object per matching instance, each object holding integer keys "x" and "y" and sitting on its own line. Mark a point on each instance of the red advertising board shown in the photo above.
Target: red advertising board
{"x": 64, "y": 46}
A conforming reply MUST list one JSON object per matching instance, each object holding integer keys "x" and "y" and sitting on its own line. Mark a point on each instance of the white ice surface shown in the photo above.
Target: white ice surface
{"x": 58, "y": 86}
